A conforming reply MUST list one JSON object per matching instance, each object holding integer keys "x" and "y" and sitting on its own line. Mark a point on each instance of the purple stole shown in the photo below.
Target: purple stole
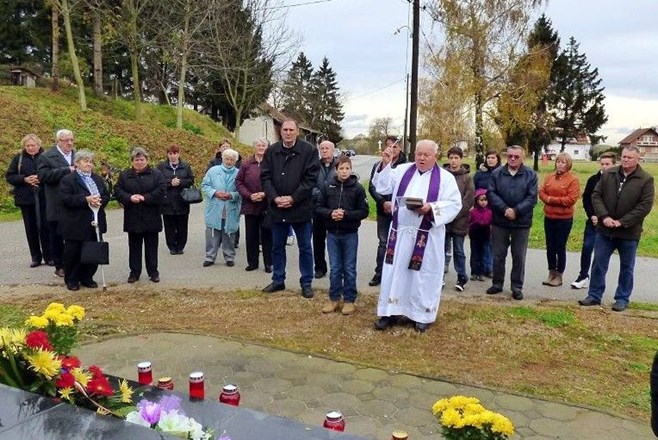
{"x": 423, "y": 231}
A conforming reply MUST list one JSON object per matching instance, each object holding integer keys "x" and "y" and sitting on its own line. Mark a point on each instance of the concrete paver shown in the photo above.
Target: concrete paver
{"x": 374, "y": 402}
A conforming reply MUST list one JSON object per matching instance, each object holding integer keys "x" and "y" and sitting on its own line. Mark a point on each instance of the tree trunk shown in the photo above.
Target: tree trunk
{"x": 238, "y": 123}
{"x": 54, "y": 68}
{"x": 98, "y": 56}
{"x": 74, "y": 58}
{"x": 137, "y": 95}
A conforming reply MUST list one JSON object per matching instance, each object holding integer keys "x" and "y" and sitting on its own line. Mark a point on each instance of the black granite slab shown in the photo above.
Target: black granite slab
{"x": 17, "y": 405}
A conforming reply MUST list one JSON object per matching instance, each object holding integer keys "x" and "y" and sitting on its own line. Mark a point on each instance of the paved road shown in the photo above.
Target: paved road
{"x": 186, "y": 270}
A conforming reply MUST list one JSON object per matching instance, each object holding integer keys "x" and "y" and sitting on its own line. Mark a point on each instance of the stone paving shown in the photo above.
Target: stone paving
{"x": 375, "y": 402}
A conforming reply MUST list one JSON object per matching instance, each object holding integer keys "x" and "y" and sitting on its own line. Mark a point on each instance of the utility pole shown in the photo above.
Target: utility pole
{"x": 413, "y": 107}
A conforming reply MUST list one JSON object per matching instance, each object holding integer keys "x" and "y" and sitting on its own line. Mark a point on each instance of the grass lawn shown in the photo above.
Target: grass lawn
{"x": 549, "y": 349}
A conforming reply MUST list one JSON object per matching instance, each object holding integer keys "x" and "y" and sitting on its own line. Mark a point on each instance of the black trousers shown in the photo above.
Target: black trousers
{"x": 74, "y": 271}
{"x": 383, "y": 225}
{"x": 175, "y": 228}
{"x": 56, "y": 245}
{"x": 150, "y": 242}
{"x": 257, "y": 235}
{"x": 38, "y": 239}
{"x": 319, "y": 244}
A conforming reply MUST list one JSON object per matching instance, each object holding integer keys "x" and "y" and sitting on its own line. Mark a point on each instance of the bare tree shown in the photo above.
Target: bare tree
{"x": 54, "y": 23}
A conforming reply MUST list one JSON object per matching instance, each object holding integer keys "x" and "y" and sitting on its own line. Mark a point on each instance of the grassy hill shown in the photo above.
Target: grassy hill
{"x": 108, "y": 128}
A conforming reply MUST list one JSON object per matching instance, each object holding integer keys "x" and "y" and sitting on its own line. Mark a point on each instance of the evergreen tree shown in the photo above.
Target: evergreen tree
{"x": 326, "y": 108}
{"x": 575, "y": 98}
{"x": 25, "y": 32}
{"x": 296, "y": 90}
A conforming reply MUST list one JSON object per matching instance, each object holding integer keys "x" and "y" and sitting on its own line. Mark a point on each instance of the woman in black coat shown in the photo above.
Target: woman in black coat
{"x": 30, "y": 197}
{"x": 140, "y": 190}
{"x": 79, "y": 191}
{"x": 175, "y": 211}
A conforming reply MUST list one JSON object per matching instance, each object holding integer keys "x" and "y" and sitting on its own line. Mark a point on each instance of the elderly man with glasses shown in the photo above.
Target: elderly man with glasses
{"x": 512, "y": 196}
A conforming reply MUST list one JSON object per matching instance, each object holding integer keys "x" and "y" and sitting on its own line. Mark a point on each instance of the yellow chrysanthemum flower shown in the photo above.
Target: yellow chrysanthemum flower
{"x": 66, "y": 394}
{"x": 51, "y": 315}
{"x": 36, "y": 321}
{"x": 126, "y": 392}
{"x": 81, "y": 376}
{"x": 56, "y": 307}
{"x": 502, "y": 425}
{"x": 451, "y": 418}
{"x": 76, "y": 312}
{"x": 45, "y": 363}
{"x": 63, "y": 320}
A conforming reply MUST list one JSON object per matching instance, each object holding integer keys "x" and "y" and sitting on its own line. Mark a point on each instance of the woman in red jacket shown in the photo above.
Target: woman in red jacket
{"x": 559, "y": 192}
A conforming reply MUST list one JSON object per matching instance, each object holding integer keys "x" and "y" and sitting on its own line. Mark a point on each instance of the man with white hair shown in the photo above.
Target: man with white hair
{"x": 425, "y": 198}
{"x": 52, "y": 166}
{"x": 325, "y": 177}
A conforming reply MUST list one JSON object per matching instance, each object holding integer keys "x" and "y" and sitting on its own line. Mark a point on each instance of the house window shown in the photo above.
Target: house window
{"x": 575, "y": 152}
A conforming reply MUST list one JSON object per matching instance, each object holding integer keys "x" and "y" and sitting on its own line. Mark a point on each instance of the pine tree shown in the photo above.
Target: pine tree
{"x": 575, "y": 98}
{"x": 326, "y": 108}
{"x": 296, "y": 89}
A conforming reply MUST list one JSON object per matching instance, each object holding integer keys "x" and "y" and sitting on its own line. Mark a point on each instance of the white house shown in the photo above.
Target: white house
{"x": 578, "y": 148}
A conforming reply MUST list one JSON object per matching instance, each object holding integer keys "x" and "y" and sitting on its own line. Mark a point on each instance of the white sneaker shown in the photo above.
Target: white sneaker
{"x": 290, "y": 240}
{"x": 580, "y": 284}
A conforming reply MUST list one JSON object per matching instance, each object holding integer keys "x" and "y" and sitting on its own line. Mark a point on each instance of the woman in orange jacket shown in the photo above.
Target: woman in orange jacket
{"x": 559, "y": 192}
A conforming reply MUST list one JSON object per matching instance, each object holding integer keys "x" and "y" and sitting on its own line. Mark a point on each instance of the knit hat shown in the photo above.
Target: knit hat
{"x": 480, "y": 192}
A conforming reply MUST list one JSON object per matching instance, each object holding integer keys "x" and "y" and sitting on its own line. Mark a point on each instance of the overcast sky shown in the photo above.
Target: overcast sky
{"x": 620, "y": 38}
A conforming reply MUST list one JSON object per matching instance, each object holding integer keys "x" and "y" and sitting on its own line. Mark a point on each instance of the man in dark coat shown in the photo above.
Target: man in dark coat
{"x": 78, "y": 192}
{"x": 289, "y": 173}
{"x": 621, "y": 200}
{"x": 140, "y": 190}
{"x": 30, "y": 197}
{"x": 52, "y": 166}
{"x": 326, "y": 176}
{"x": 384, "y": 205}
{"x": 175, "y": 211}
{"x": 512, "y": 197}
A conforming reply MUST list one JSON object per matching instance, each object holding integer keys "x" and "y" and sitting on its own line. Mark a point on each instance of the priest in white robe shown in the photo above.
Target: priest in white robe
{"x": 425, "y": 199}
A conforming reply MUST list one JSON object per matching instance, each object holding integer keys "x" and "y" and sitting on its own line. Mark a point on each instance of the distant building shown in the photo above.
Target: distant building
{"x": 577, "y": 148}
{"x": 21, "y": 76}
{"x": 646, "y": 140}
{"x": 267, "y": 122}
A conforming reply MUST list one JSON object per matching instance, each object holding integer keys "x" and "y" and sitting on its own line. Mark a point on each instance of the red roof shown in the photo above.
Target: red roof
{"x": 636, "y": 134}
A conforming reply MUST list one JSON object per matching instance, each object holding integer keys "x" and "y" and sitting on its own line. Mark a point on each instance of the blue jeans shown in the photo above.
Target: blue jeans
{"x": 458, "y": 255}
{"x": 342, "y": 249}
{"x": 603, "y": 249}
{"x": 557, "y": 233}
{"x": 589, "y": 235}
{"x": 303, "y": 232}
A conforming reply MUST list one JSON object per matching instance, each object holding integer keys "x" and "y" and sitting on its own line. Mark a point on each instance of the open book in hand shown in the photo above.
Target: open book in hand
{"x": 412, "y": 203}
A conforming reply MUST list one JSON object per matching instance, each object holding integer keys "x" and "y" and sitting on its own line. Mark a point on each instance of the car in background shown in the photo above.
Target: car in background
{"x": 337, "y": 152}
{"x": 349, "y": 153}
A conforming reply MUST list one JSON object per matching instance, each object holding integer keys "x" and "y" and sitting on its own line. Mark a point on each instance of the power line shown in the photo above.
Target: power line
{"x": 313, "y": 2}
{"x": 377, "y": 90}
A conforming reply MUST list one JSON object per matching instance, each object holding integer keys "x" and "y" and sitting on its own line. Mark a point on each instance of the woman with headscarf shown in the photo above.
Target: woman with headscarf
{"x": 175, "y": 211}
{"x": 140, "y": 190}
{"x": 29, "y": 196}
{"x": 79, "y": 192}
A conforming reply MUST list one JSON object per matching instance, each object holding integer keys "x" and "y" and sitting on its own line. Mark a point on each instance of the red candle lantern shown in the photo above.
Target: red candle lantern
{"x": 144, "y": 373}
{"x": 230, "y": 395}
{"x": 334, "y": 420}
{"x": 166, "y": 383}
{"x": 197, "y": 388}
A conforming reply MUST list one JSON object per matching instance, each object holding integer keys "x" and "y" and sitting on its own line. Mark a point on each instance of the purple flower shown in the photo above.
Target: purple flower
{"x": 170, "y": 402}
{"x": 149, "y": 411}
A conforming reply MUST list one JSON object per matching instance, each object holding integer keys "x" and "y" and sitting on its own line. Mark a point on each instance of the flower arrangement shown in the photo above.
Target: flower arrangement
{"x": 166, "y": 416}
{"x": 464, "y": 418}
{"x": 37, "y": 358}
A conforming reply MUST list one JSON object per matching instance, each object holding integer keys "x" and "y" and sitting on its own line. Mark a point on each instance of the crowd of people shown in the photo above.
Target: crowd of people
{"x": 424, "y": 214}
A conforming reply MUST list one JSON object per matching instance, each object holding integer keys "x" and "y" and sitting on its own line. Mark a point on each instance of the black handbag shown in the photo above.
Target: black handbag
{"x": 191, "y": 195}
{"x": 95, "y": 252}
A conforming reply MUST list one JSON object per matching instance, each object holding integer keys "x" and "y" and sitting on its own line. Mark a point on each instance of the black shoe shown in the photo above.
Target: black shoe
{"x": 35, "y": 264}
{"x": 375, "y": 281}
{"x": 155, "y": 278}
{"x": 50, "y": 263}
{"x": 90, "y": 284}
{"x": 133, "y": 279}
{"x": 72, "y": 286}
{"x": 517, "y": 294}
{"x": 619, "y": 306}
{"x": 307, "y": 292}
{"x": 173, "y": 252}
{"x": 494, "y": 290}
{"x": 459, "y": 287}
{"x": 384, "y": 322}
{"x": 179, "y": 252}
{"x": 268, "y": 269}
{"x": 230, "y": 263}
{"x": 320, "y": 273}
{"x": 250, "y": 268}
{"x": 421, "y": 327}
{"x": 59, "y": 272}
{"x": 489, "y": 274}
{"x": 589, "y": 302}
{"x": 274, "y": 287}
{"x": 208, "y": 263}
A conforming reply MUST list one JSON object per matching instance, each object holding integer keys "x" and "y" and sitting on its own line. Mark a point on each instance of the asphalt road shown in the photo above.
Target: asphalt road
{"x": 186, "y": 270}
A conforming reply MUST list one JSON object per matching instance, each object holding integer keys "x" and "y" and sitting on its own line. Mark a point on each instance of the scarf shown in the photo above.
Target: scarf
{"x": 423, "y": 231}
{"x": 89, "y": 183}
